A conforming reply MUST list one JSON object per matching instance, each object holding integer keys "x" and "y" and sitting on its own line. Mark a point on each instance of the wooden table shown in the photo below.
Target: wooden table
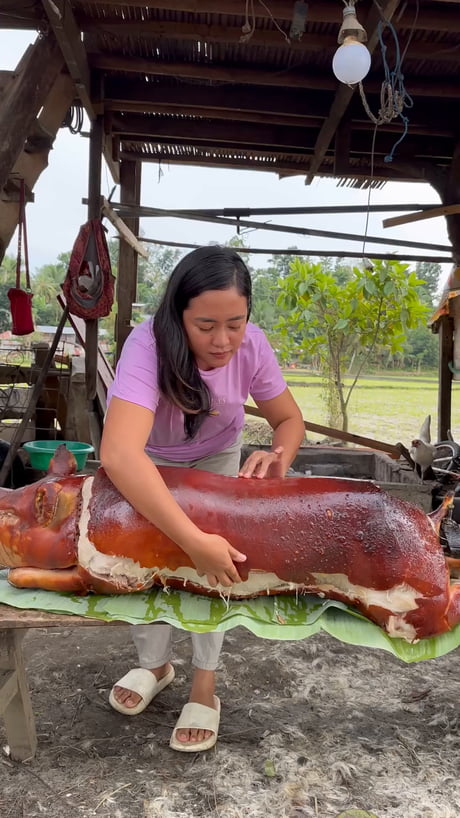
{"x": 15, "y": 702}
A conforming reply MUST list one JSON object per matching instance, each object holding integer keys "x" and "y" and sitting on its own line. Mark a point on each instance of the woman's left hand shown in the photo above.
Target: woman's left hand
{"x": 263, "y": 464}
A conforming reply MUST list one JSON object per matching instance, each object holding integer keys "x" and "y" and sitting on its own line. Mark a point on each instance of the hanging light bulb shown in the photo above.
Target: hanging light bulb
{"x": 352, "y": 60}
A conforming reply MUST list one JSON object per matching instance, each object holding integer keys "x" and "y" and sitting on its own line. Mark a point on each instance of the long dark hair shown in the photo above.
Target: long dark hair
{"x": 179, "y": 379}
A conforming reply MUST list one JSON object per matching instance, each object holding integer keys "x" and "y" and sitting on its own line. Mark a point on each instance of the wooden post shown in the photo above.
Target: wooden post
{"x": 15, "y": 703}
{"x": 39, "y": 69}
{"x": 130, "y": 191}
{"x": 446, "y": 349}
{"x": 94, "y": 212}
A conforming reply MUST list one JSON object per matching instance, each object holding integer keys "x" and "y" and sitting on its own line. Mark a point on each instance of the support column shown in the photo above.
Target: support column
{"x": 15, "y": 703}
{"x": 130, "y": 193}
{"x": 37, "y": 73}
{"x": 446, "y": 351}
{"x": 91, "y": 335}
{"x": 447, "y": 185}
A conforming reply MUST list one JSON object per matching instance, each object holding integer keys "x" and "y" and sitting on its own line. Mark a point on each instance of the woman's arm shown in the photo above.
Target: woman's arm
{"x": 285, "y": 418}
{"x": 126, "y": 429}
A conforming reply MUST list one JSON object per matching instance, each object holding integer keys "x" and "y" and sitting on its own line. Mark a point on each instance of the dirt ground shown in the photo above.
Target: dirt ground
{"x": 309, "y": 729}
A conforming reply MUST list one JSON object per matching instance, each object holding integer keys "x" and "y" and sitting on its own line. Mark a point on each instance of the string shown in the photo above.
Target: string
{"x": 394, "y": 97}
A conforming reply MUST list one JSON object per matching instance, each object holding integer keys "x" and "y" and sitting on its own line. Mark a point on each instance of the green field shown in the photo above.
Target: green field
{"x": 391, "y": 409}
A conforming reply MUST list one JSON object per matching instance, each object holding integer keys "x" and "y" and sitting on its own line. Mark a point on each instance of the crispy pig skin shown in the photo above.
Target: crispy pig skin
{"x": 340, "y": 538}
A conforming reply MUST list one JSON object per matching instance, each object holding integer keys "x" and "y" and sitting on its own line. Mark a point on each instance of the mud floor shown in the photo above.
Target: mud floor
{"x": 308, "y": 729}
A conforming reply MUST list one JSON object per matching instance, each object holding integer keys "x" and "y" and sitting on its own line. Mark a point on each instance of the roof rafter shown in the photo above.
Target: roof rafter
{"x": 328, "y": 11}
{"x": 158, "y": 30}
{"x": 253, "y": 76}
{"x": 68, "y": 36}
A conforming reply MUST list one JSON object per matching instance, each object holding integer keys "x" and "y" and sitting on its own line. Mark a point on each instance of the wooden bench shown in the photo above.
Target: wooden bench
{"x": 15, "y": 702}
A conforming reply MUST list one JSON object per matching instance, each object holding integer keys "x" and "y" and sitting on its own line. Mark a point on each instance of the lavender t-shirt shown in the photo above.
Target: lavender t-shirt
{"x": 252, "y": 370}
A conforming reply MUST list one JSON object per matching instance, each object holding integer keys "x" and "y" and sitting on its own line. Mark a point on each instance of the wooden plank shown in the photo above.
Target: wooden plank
{"x": 12, "y": 618}
{"x": 29, "y": 166}
{"x": 207, "y": 71}
{"x": 446, "y": 352}
{"x": 318, "y": 253}
{"x": 444, "y": 210}
{"x": 158, "y": 30}
{"x": 28, "y": 93}
{"x": 326, "y": 11}
{"x": 301, "y": 231}
{"x": 67, "y": 33}
{"x": 125, "y": 233}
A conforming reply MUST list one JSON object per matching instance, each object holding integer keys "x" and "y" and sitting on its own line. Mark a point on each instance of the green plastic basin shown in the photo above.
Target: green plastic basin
{"x": 41, "y": 451}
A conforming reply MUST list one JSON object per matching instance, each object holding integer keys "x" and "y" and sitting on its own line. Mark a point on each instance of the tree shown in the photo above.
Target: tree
{"x": 46, "y": 285}
{"x": 345, "y": 319}
{"x": 429, "y": 272}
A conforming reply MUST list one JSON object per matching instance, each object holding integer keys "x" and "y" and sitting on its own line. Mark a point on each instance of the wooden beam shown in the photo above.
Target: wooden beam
{"x": 156, "y": 128}
{"x": 344, "y": 93}
{"x": 318, "y": 253}
{"x": 326, "y": 210}
{"x": 41, "y": 64}
{"x": 446, "y": 351}
{"x": 433, "y": 130}
{"x": 67, "y": 33}
{"x": 257, "y": 76}
{"x": 301, "y": 231}
{"x": 294, "y": 134}
{"x": 110, "y": 151}
{"x": 182, "y": 141}
{"x": 158, "y": 30}
{"x": 444, "y": 210}
{"x": 394, "y": 450}
{"x": 124, "y": 231}
{"x": 286, "y": 101}
{"x": 130, "y": 193}
{"x": 217, "y": 113}
{"x": 91, "y": 331}
{"x": 214, "y": 32}
{"x": 29, "y": 166}
{"x": 210, "y": 71}
{"x": 323, "y": 11}
{"x": 282, "y": 166}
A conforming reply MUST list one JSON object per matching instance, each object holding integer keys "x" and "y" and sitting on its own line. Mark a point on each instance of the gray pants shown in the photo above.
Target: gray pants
{"x": 154, "y": 642}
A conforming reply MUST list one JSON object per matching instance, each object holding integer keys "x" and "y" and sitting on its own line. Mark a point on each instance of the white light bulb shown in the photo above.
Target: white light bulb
{"x": 351, "y": 62}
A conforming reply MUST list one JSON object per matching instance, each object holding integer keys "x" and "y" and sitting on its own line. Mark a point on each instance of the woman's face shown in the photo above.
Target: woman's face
{"x": 215, "y": 322}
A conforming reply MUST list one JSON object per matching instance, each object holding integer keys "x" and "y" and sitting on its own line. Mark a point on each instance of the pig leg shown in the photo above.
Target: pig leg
{"x": 65, "y": 579}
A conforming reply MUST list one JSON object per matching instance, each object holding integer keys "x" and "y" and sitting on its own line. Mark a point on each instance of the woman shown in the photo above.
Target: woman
{"x": 177, "y": 400}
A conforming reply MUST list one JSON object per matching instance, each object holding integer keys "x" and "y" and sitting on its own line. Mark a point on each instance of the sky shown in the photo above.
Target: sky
{"x": 53, "y": 220}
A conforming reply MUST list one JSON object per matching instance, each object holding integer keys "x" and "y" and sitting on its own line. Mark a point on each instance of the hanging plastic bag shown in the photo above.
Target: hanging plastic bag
{"x": 21, "y": 299}
{"x": 89, "y": 284}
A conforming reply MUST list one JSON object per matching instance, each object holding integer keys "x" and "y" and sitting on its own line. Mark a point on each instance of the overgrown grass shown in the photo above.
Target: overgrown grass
{"x": 387, "y": 409}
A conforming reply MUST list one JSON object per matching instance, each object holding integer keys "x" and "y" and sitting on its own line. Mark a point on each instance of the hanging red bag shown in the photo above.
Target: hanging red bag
{"x": 89, "y": 283}
{"x": 21, "y": 300}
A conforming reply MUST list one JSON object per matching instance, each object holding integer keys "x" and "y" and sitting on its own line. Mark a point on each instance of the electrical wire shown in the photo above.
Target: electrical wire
{"x": 73, "y": 119}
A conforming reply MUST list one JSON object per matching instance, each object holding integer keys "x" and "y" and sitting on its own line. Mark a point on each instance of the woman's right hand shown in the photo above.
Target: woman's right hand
{"x": 214, "y": 556}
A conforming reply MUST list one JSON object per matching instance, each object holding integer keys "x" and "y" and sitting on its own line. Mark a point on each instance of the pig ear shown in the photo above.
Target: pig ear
{"x": 62, "y": 463}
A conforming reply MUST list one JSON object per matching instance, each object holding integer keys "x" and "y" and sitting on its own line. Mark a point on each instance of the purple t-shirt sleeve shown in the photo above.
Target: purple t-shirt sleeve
{"x": 268, "y": 381}
{"x": 136, "y": 374}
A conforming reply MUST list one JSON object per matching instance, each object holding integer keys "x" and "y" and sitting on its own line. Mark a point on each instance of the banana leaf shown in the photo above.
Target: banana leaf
{"x": 269, "y": 617}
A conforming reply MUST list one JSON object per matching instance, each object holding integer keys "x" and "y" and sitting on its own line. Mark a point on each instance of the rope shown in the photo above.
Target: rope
{"x": 394, "y": 97}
